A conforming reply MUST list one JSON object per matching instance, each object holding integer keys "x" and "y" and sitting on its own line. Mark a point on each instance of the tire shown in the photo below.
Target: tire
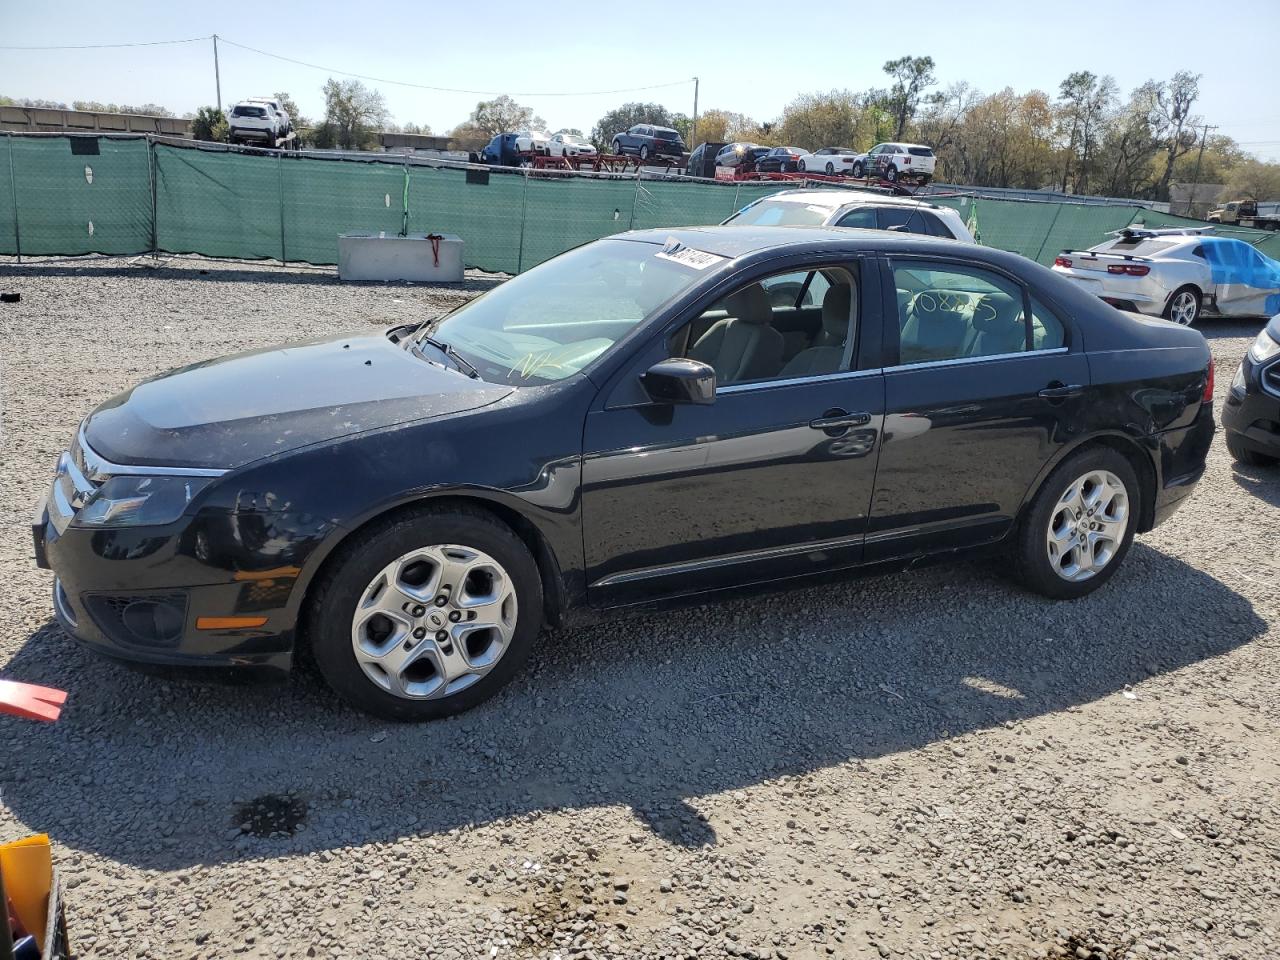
{"x": 1247, "y": 456}
{"x": 617, "y": 149}
{"x": 644, "y": 152}
{"x": 802, "y": 167}
{"x": 1184, "y": 306}
{"x": 891, "y": 174}
{"x": 858, "y": 170}
{"x": 1050, "y": 519}
{"x": 400, "y": 554}
{"x": 831, "y": 168}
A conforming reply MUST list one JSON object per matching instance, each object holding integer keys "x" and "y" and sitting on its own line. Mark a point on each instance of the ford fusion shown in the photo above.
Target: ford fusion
{"x": 650, "y": 418}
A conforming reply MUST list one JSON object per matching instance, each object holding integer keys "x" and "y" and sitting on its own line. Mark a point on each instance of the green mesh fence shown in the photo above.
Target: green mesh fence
{"x": 94, "y": 201}
{"x": 75, "y": 195}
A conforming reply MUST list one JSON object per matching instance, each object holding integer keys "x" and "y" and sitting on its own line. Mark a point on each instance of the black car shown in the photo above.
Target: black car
{"x": 780, "y": 160}
{"x": 648, "y": 142}
{"x": 502, "y": 151}
{"x": 634, "y": 423}
{"x": 1251, "y": 416}
{"x": 702, "y": 161}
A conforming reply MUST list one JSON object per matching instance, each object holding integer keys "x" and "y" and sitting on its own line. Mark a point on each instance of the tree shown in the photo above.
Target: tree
{"x": 911, "y": 77}
{"x": 1173, "y": 107}
{"x": 571, "y": 131}
{"x": 1130, "y": 142}
{"x": 815, "y": 120}
{"x": 210, "y": 124}
{"x": 1253, "y": 180}
{"x": 467, "y": 136}
{"x": 353, "y": 114}
{"x": 291, "y": 108}
{"x": 627, "y": 116}
{"x": 145, "y": 109}
{"x": 1085, "y": 100}
{"x": 503, "y": 115}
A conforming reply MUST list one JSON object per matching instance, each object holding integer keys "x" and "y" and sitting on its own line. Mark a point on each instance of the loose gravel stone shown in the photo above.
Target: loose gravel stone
{"x": 928, "y": 765}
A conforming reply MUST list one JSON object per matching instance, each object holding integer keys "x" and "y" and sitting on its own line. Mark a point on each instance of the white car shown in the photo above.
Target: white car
{"x": 533, "y": 141}
{"x": 258, "y": 120}
{"x": 852, "y": 208}
{"x": 897, "y": 161}
{"x": 570, "y": 145}
{"x": 831, "y": 161}
{"x": 1176, "y": 274}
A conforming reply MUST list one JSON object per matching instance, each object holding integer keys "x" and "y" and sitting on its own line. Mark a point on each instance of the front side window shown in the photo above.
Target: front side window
{"x": 550, "y": 322}
{"x": 787, "y": 326}
{"x": 958, "y": 312}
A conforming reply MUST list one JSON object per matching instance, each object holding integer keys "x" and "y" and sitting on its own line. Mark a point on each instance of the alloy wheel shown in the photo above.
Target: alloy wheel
{"x": 1183, "y": 308}
{"x": 434, "y": 621}
{"x": 1087, "y": 525}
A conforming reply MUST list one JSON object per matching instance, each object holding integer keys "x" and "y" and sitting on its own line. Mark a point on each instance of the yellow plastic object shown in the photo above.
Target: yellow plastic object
{"x": 28, "y": 880}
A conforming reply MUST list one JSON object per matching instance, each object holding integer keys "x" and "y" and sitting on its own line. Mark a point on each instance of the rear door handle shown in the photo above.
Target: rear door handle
{"x": 1061, "y": 391}
{"x": 840, "y": 420}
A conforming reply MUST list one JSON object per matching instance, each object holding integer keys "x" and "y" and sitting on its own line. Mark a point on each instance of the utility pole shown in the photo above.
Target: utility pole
{"x": 217, "y": 76}
{"x": 693, "y": 129}
{"x": 1204, "y": 135}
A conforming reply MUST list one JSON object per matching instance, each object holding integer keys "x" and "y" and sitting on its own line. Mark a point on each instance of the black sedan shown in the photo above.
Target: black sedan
{"x": 634, "y": 423}
{"x": 1251, "y": 416}
{"x": 781, "y": 160}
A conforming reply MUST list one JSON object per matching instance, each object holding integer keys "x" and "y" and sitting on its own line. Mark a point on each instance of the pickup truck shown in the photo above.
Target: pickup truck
{"x": 1247, "y": 213}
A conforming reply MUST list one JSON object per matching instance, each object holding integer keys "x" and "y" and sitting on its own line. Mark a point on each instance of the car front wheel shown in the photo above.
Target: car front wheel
{"x": 1249, "y": 457}
{"x": 858, "y": 171}
{"x": 1184, "y": 306}
{"x": 1080, "y": 525}
{"x": 617, "y": 148}
{"x": 426, "y": 615}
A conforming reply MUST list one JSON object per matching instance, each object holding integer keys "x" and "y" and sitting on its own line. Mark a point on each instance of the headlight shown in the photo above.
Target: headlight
{"x": 135, "y": 501}
{"x": 1264, "y": 348}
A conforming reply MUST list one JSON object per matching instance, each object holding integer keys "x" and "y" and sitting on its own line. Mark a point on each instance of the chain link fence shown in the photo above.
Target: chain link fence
{"x": 71, "y": 195}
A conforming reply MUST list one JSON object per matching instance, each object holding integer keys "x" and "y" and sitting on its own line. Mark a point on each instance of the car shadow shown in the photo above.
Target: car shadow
{"x": 649, "y": 713}
{"x": 1260, "y": 482}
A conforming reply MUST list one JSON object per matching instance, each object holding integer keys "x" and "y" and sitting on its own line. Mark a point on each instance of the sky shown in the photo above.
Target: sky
{"x": 566, "y": 60}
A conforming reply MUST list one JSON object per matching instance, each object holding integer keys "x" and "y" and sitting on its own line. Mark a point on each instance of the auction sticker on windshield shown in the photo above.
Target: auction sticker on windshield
{"x": 677, "y": 252}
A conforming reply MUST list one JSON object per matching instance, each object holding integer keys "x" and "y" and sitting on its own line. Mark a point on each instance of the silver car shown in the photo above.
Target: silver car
{"x": 1177, "y": 274}
{"x": 852, "y": 208}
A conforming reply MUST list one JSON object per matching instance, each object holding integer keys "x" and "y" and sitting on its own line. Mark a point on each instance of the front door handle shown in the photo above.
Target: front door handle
{"x": 836, "y": 421}
{"x": 1058, "y": 390}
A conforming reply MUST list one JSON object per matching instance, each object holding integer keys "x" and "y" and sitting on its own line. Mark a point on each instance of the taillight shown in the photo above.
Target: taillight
{"x": 1207, "y": 396}
{"x": 1128, "y": 269}
{"x": 1062, "y": 261}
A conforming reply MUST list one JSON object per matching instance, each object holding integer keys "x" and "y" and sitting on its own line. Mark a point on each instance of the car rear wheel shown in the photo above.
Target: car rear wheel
{"x": 1249, "y": 457}
{"x": 1184, "y": 306}
{"x": 858, "y": 170}
{"x": 891, "y": 174}
{"x": 426, "y": 615}
{"x": 1080, "y": 525}
{"x": 644, "y": 152}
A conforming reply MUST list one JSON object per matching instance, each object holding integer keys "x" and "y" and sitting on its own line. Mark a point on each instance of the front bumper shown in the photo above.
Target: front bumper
{"x": 1252, "y": 416}
{"x": 139, "y": 594}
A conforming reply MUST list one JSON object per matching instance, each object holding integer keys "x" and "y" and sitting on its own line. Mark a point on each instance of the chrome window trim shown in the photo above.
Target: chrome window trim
{"x": 792, "y": 381}
{"x": 956, "y": 361}
{"x": 97, "y": 467}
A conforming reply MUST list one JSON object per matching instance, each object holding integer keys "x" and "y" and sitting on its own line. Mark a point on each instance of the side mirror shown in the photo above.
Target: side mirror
{"x": 679, "y": 380}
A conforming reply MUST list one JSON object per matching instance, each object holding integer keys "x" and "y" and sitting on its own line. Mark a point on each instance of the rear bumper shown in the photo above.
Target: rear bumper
{"x": 1180, "y": 463}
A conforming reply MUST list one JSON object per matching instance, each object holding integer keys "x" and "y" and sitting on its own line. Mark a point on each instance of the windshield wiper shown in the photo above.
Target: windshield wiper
{"x": 465, "y": 365}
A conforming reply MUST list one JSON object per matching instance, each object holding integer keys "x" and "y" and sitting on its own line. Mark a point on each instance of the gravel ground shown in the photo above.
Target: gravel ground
{"x": 930, "y": 765}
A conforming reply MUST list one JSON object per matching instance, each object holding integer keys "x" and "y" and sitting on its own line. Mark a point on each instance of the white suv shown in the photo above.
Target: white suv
{"x": 897, "y": 161}
{"x": 259, "y": 120}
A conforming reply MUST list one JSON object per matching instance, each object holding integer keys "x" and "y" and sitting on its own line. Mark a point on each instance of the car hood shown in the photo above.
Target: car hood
{"x": 231, "y": 411}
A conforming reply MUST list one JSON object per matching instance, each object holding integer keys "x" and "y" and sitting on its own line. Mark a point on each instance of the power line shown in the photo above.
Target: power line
{"x": 423, "y": 86}
{"x": 104, "y": 46}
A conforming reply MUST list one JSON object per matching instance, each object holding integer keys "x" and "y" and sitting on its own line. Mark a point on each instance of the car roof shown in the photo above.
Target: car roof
{"x": 837, "y": 198}
{"x": 733, "y": 242}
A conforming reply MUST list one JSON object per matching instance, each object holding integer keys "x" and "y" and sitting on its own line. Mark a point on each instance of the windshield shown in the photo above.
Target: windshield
{"x": 780, "y": 213}
{"x": 549, "y": 323}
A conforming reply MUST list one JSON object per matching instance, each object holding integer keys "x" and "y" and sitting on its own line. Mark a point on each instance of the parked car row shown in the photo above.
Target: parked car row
{"x": 893, "y": 162}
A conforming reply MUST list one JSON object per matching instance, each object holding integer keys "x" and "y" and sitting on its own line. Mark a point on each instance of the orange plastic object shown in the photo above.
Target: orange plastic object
{"x": 28, "y": 879}
{"x": 30, "y": 701}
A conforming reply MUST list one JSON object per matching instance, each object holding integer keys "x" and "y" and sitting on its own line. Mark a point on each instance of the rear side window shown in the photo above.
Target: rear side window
{"x": 908, "y": 219}
{"x": 861, "y": 217}
{"x": 1047, "y": 332}
{"x": 955, "y": 312}
{"x": 920, "y": 152}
